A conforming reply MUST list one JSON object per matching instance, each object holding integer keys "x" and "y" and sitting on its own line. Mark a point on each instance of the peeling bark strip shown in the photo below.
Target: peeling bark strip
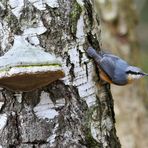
{"x": 74, "y": 112}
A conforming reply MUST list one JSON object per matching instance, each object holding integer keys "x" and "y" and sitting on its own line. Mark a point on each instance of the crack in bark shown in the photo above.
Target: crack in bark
{"x": 92, "y": 39}
{"x": 38, "y": 142}
{"x": 86, "y": 67}
{"x": 18, "y": 137}
{"x": 71, "y": 71}
{"x": 80, "y": 56}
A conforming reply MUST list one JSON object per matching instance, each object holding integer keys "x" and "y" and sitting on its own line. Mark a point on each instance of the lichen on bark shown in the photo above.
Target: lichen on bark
{"x": 74, "y": 16}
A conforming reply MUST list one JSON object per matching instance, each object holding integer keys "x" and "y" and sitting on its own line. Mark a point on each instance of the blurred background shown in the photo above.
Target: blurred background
{"x": 124, "y": 32}
{"x": 142, "y": 31}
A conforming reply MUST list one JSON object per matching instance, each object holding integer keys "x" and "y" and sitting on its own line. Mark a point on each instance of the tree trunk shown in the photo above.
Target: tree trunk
{"x": 76, "y": 111}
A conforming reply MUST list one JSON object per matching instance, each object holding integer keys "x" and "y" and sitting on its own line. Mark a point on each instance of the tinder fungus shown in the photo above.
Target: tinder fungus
{"x": 25, "y": 67}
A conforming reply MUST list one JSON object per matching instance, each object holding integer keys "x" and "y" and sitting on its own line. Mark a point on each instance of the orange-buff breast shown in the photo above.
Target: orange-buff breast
{"x": 103, "y": 76}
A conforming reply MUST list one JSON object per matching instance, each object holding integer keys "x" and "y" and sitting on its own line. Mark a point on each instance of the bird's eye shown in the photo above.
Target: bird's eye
{"x": 129, "y": 72}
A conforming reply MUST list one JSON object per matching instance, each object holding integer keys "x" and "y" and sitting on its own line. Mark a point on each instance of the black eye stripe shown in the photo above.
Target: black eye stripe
{"x": 132, "y": 72}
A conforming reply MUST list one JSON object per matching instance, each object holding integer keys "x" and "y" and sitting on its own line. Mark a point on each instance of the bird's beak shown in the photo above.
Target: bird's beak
{"x": 145, "y": 74}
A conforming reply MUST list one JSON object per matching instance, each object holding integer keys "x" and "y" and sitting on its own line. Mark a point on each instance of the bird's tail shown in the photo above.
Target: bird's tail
{"x": 93, "y": 53}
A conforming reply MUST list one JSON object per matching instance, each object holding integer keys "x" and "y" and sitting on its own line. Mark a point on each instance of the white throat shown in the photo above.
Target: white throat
{"x": 132, "y": 76}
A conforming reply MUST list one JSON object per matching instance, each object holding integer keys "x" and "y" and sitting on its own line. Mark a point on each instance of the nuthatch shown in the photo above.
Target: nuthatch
{"x": 113, "y": 69}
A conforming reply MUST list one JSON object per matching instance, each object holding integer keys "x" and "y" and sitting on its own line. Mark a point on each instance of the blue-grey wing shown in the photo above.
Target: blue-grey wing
{"x": 120, "y": 76}
{"x": 114, "y": 67}
{"x": 107, "y": 64}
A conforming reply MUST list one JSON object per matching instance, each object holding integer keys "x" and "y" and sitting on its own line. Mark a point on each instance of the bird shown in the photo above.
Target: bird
{"x": 113, "y": 69}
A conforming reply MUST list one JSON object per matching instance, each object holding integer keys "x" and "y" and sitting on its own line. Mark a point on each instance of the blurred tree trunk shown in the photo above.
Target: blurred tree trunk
{"x": 119, "y": 20}
{"x": 75, "y": 112}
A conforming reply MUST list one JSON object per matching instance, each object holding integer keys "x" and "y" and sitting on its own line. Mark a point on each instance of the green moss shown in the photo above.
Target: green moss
{"x": 74, "y": 16}
{"x": 90, "y": 141}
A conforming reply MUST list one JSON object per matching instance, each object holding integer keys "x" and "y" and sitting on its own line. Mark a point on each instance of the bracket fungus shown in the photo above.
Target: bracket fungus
{"x": 25, "y": 67}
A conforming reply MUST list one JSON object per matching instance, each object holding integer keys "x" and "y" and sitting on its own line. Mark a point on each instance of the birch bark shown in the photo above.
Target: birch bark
{"x": 76, "y": 111}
